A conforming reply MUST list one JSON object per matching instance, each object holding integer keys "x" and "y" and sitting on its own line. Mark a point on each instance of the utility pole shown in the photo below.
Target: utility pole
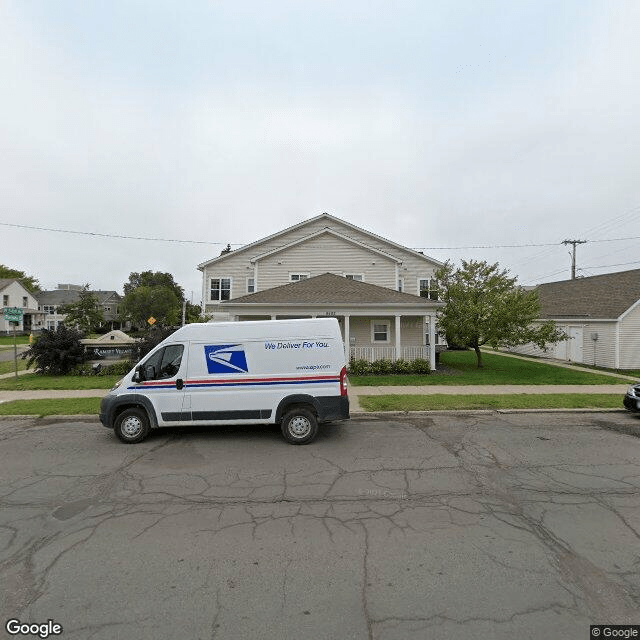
{"x": 573, "y": 256}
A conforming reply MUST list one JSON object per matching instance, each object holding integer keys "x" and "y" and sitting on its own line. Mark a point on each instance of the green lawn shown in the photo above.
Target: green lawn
{"x": 32, "y": 381}
{"x": 6, "y": 341}
{"x": 497, "y": 370}
{"x": 9, "y": 366}
{"x": 51, "y": 407}
{"x": 441, "y": 401}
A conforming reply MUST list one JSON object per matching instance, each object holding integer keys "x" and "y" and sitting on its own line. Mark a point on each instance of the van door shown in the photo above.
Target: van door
{"x": 162, "y": 381}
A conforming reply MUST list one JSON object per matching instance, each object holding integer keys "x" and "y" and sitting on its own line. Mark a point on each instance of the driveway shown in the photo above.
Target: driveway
{"x": 445, "y": 526}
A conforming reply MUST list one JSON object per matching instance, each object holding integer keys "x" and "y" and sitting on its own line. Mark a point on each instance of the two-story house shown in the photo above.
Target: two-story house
{"x": 14, "y": 294}
{"x": 51, "y": 301}
{"x": 382, "y": 293}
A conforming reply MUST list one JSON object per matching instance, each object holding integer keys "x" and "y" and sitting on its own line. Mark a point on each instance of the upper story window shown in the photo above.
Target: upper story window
{"x": 49, "y": 309}
{"x": 427, "y": 288}
{"x": 296, "y": 277}
{"x": 400, "y": 285}
{"x": 5, "y": 301}
{"x": 251, "y": 285}
{"x": 220, "y": 289}
{"x": 354, "y": 276}
{"x": 25, "y": 301}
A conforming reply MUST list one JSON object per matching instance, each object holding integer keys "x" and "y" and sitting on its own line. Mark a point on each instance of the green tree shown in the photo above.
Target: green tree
{"x": 486, "y": 306}
{"x": 56, "y": 352}
{"x": 85, "y": 314}
{"x": 143, "y": 301}
{"x": 153, "y": 279}
{"x": 30, "y": 283}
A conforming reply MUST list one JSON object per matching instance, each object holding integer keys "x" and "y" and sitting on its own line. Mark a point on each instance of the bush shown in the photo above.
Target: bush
{"x": 420, "y": 366}
{"x": 386, "y": 367}
{"x": 115, "y": 369}
{"x": 56, "y": 352}
{"x": 359, "y": 367}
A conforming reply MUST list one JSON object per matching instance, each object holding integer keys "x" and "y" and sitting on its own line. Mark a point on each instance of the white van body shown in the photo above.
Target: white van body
{"x": 237, "y": 373}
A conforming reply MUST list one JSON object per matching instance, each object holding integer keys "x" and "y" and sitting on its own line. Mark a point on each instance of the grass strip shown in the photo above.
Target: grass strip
{"x": 440, "y": 401}
{"x": 35, "y": 381}
{"x": 8, "y": 366}
{"x": 51, "y": 407}
{"x": 498, "y": 369}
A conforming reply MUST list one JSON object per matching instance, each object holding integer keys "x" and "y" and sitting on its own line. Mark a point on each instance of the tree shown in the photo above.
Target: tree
{"x": 56, "y": 352}
{"x": 486, "y": 306}
{"x": 30, "y": 283}
{"x": 85, "y": 314}
{"x": 150, "y": 294}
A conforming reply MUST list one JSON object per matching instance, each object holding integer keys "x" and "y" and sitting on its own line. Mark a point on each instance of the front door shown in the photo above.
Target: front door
{"x": 163, "y": 382}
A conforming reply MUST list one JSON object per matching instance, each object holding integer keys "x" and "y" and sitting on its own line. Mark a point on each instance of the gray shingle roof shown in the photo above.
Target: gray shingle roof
{"x": 606, "y": 296}
{"x": 330, "y": 289}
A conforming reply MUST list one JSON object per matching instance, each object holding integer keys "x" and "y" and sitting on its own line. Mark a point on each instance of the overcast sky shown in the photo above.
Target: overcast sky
{"x": 431, "y": 123}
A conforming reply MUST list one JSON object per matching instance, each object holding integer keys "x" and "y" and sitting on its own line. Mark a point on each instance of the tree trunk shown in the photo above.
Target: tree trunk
{"x": 479, "y": 357}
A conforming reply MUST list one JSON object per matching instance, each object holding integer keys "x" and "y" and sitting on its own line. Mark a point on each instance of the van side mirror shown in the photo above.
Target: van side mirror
{"x": 135, "y": 377}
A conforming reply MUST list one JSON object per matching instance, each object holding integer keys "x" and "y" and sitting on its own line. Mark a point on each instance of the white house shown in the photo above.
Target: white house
{"x": 381, "y": 292}
{"x": 599, "y": 314}
{"x": 14, "y": 294}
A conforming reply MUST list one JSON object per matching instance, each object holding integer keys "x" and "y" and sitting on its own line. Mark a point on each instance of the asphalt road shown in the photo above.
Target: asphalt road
{"x": 456, "y": 526}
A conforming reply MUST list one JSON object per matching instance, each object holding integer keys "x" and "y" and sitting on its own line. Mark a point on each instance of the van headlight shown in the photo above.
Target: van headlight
{"x": 633, "y": 390}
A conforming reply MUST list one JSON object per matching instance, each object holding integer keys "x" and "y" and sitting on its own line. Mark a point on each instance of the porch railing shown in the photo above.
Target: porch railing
{"x": 370, "y": 354}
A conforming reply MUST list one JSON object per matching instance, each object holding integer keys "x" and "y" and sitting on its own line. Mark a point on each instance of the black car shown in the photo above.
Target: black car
{"x": 632, "y": 399}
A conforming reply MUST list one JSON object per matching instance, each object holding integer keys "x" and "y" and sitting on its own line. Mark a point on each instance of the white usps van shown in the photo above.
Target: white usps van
{"x": 289, "y": 372}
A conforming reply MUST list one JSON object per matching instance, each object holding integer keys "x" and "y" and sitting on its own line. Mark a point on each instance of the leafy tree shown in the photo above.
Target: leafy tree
{"x": 56, "y": 352}
{"x": 486, "y": 306}
{"x": 153, "y": 279}
{"x": 145, "y": 302}
{"x": 30, "y": 283}
{"x": 85, "y": 314}
{"x": 151, "y": 338}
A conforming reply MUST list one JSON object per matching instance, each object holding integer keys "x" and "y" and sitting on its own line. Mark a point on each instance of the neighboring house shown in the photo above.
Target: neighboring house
{"x": 382, "y": 293}
{"x": 599, "y": 314}
{"x": 14, "y": 294}
{"x": 51, "y": 301}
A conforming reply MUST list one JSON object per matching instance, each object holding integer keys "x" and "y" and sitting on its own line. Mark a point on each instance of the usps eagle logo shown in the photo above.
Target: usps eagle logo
{"x": 226, "y": 358}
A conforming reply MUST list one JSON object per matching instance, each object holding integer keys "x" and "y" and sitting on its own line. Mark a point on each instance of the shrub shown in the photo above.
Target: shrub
{"x": 359, "y": 367}
{"x": 401, "y": 367}
{"x": 420, "y": 366}
{"x": 381, "y": 367}
{"x": 115, "y": 369}
{"x": 56, "y": 352}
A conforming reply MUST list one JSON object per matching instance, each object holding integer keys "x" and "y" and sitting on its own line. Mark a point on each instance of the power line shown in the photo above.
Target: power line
{"x": 110, "y": 235}
{"x": 240, "y": 244}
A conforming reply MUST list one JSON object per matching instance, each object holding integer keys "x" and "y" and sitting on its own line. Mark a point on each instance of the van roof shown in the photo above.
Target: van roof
{"x": 258, "y": 329}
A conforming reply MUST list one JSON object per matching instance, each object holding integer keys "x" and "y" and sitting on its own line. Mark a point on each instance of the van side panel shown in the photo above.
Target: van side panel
{"x": 247, "y": 380}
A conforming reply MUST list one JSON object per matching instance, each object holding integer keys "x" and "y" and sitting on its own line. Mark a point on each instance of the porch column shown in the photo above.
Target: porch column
{"x": 398, "y": 345}
{"x": 432, "y": 341}
{"x": 347, "y": 338}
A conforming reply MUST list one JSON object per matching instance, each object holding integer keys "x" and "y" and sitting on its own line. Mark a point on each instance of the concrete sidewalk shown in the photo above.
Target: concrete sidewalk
{"x": 356, "y": 392}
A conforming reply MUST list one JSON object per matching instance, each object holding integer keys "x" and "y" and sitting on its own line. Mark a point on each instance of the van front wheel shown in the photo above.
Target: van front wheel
{"x": 132, "y": 426}
{"x": 299, "y": 426}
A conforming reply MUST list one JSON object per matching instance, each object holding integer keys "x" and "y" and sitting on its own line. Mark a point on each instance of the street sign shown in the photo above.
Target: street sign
{"x": 13, "y": 314}
{"x": 151, "y": 320}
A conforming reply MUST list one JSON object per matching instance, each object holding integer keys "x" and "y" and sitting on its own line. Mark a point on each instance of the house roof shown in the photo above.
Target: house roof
{"x": 59, "y": 297}
{"x": 605, "y": 296}
{"x": 5, "y": 282}
{"x": 329, "y": 288}
{"x": 322, "y": 216}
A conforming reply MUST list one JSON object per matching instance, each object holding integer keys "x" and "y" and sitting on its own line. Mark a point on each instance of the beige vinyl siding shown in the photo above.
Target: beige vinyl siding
{"x": 630, "y": 339}
{"x": 600, "y": 352}
{"x": 411, "y": 331}
{"x": 342, "y": 257}
{"x": 324, "y": 254}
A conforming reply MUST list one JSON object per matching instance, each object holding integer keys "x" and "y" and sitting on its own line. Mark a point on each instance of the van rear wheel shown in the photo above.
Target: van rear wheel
{"x": 299, "y": 426}
{"x": 132, "y": 426}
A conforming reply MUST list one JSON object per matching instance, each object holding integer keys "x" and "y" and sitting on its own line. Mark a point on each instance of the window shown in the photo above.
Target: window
{"x": 49, "y": 309}
{"x": 251, "y": 285}
{"x": 51, "y": 325}
{"x": 296, "y": 277}
{"x": 164, "y": 363}
{"x": 25, "y": 301}
{"x": 220, "y": 289}
{"x": 354, "y": 276}
{"x": 427, "y": 288}
{"x": 400, "y": 285}
{"x": 5, "y": 301}
{"x": 379, "y": 331}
